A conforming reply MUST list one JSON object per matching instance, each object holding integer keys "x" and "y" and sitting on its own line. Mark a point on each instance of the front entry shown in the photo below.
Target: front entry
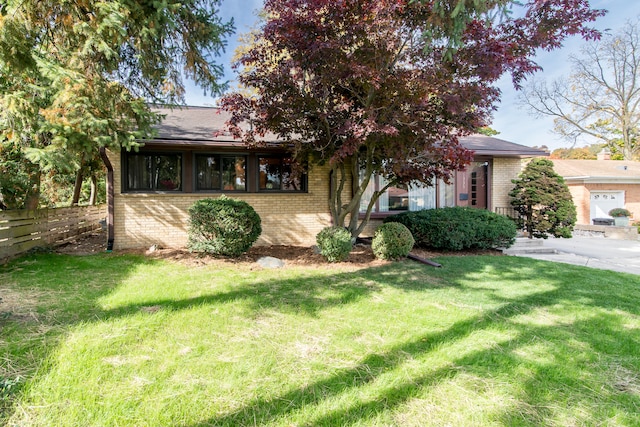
{"x": 472, "y": 186}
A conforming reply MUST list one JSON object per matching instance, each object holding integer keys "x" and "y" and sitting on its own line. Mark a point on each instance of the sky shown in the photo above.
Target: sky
{"x": 512, "y": 120}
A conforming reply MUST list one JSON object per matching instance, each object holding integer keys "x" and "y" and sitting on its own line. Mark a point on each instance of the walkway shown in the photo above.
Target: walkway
{"x": 594, "y": 252}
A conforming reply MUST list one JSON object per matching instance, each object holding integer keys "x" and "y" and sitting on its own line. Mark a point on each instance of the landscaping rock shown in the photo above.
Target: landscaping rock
{"x": 270, "y": 262}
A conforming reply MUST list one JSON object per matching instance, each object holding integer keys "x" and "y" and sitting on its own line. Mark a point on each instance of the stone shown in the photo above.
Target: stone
{"x": 270, "y": 262}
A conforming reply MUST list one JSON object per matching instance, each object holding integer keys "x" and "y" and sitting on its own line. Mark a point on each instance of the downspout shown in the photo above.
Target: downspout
{"x": 110, "y": 198}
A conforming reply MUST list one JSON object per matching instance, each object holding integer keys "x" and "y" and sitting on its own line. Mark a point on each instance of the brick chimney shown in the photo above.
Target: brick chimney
{"x": 604, "y": 154}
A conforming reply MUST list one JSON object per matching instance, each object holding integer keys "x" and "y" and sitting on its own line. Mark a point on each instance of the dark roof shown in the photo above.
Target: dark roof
{"x": 487, "y": 145}
{"x": 206, "y": 125}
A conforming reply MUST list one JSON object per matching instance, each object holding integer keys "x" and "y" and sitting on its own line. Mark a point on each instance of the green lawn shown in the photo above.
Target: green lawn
{"x": 120, "y": 340}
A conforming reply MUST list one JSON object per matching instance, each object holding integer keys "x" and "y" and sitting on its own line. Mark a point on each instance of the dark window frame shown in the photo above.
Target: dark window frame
{"x": 126, "y": 163}
{"x": 303, "y": 177}
{"x": 220, "y": 157}
{"x": 188, "y": 170}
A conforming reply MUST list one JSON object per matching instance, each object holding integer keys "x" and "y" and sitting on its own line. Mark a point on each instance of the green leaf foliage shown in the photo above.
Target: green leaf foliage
{"x": 18, "y": 177}
{"x": 223, "y": 226}
{"x": 78, "y": 75}
{"x": 457, "y": 228}
{"x": 335, "y": 243}
{"x": 392, "y": 241}
{"x": 543, "y": 201}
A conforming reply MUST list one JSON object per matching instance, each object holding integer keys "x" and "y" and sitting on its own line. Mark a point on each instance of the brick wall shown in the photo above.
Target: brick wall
{"x": 142, "y": 220}
{"x": 145, "y": 219}
{"x": 504, "y": 170}
{"x": 581, "y": 198}
{"x": 631, "y": 199}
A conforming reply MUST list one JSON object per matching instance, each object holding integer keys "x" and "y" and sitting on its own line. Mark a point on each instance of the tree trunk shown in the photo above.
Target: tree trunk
{"x": 77, "y": 187}
{"x": 94, "y": 190}
{"x": 32, "y": 200}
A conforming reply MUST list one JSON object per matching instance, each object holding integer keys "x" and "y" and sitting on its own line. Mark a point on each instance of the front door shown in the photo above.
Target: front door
{"x": 478, "y": 185}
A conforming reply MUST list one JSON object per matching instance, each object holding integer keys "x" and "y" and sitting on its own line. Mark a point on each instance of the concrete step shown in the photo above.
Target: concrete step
{"x": 527, "y": 242}
{"x": 524, "y": 245}
{"x": 524, "y": 251}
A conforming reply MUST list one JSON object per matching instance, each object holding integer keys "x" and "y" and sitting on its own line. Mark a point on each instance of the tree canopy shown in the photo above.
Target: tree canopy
{"x": 387, "y": 87}
{"x": 601, "y": 97}
{"x": 76, "y": 75}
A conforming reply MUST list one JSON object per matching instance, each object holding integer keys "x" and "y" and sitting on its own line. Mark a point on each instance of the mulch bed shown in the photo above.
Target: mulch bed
{"x": 361, "y": 256}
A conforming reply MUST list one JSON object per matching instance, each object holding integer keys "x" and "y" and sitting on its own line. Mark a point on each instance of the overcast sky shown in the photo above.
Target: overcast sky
{"x": 513, "y": 121}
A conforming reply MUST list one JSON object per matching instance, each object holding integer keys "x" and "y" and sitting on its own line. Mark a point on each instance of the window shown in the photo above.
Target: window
{"x": 215, "y": 172}
{"x": 154, "y": 172}
{"x": 276, "y": 173}
{"x": 413, "y": 197}
{"x": 190, "y": 171}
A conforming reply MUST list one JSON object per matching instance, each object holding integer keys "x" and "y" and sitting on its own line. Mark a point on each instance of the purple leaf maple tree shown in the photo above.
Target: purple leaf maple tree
{"x": 388, "y": 87}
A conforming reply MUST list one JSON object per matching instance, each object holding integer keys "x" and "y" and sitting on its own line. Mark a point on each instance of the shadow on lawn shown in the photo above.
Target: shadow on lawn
{"x": 43, "y": 295}
{"x": 601, "y": 341}
{"x": 571, "y": 351}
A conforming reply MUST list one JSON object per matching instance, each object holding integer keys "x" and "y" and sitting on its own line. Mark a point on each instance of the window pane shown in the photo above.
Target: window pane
{"x": 398, "y": 198}
{"x": 269, "y": 173}
{"x": 447, "y": 194}
{"x": 421, "y": 197}
{"x": 368, "y": 193}
{"x": 207, "y": 173}
{"x": 139, "y": 172}
{"x": 290, "y": 181}
{"x": 168, "y": 172}
{"x": 234, "y": 173}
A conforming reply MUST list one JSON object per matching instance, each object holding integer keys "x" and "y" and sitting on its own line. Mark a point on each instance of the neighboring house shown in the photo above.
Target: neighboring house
{"x": 193, "y": 158}
{"x": 597, "y": 186}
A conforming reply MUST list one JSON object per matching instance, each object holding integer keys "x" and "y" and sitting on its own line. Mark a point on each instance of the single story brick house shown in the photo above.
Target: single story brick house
{"x": 597, "y": 186}
{"x": 150, "y": 191}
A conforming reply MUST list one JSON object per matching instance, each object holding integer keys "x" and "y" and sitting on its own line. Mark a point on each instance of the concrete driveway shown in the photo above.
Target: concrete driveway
{"x": 596, "y": 252}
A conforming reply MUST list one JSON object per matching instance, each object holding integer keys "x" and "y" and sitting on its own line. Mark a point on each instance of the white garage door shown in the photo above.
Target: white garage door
{"x": 603, "y": 201}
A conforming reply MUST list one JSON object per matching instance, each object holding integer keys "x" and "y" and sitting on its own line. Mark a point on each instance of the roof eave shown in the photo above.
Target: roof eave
{"x": 603, "y": 179}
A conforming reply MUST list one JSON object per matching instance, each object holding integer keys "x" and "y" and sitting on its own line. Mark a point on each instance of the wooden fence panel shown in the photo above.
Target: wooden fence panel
{"x": 23, "y": 230}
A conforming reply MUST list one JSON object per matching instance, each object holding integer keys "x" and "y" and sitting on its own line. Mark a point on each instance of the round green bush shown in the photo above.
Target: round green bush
{"x": 223, "y": 226}
{"x": 458, "y": 228}
{"x": 392, "y": 241}
{"x": 335, "y": 243}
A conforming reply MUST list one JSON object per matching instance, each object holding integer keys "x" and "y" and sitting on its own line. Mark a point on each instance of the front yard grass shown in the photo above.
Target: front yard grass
{"x": 122, "y": 340}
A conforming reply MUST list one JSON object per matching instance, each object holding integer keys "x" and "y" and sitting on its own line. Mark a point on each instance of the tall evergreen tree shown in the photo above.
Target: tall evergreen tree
{"x": 76, "y": 75}
{"x": 543, "y": 201}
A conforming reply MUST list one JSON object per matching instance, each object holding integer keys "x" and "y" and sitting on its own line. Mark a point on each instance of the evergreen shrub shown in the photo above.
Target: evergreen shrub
{"x": 543, "y": 201}
{"x": 335, "y": 243}
{"x": 458, "y": 228}
{"x": 223, "y": 226}
{"x": 392, "y": 241}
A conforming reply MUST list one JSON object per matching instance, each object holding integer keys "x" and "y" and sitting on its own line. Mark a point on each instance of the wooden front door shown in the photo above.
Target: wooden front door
{"x": 478, "y": 185}
{"x": 472, "y": 186}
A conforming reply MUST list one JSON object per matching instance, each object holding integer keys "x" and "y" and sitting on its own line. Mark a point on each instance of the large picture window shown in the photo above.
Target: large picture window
{"x": 154, "y": 172}
{"x": 277, "y": 174}
{"x": 414, "y": 197}
{"x": 192, "y": 171}
{"x": 215, "y": 172}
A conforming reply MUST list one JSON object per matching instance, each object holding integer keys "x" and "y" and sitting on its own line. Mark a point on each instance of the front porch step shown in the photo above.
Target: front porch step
{"x": 524, "y": 245}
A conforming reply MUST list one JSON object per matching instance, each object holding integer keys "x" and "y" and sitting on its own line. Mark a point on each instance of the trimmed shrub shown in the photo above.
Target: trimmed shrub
{"x": 458, "y": 228}
{"x": 223, "y": 226}
{"x": 334, "y": 243}
{"x": 392, "y": 241}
